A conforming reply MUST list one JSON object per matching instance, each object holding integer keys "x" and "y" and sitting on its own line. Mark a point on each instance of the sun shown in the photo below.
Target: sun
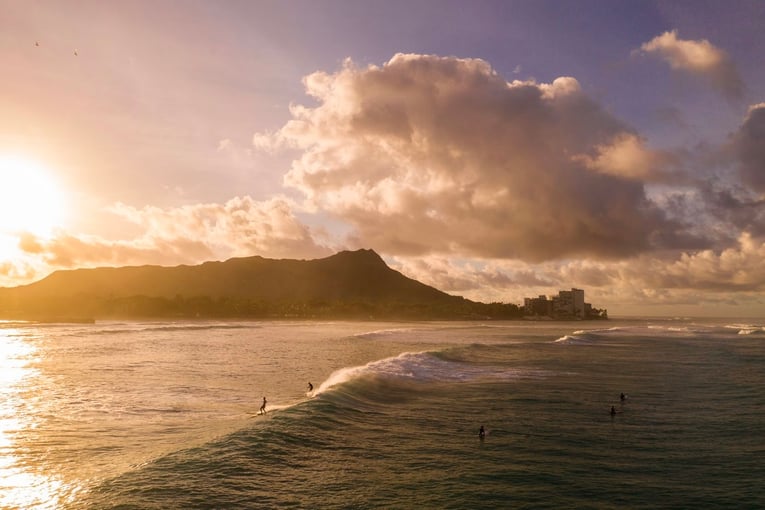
{"x": 30, "y": 198}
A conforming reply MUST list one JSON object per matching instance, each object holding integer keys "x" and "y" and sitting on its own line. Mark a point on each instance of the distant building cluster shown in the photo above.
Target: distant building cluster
{"x": 568, "y": 304}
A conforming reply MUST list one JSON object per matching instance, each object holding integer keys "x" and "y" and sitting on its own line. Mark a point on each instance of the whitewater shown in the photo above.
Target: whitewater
{"x": 164, "y": 414}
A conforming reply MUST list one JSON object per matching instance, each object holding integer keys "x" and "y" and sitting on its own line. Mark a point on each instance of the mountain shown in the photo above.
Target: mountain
{"x": 347, "y": 284}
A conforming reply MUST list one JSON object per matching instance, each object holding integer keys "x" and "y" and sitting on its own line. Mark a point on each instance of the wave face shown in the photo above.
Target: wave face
{"x": 165, "y": 415}
{"x": 357, "y": 424}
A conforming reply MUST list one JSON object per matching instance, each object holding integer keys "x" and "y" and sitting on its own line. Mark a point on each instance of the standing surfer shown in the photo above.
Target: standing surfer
{"x": 263, "y": 407}
{"x": 481, "y": 432}
{"x": 310, "y": 386}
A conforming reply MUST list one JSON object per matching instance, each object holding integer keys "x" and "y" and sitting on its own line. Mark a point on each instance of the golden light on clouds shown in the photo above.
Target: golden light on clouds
{"x": 31, "y": 201}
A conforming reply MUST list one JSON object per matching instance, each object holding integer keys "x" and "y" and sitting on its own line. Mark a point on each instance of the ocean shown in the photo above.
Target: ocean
{"x": 164, "y": 415}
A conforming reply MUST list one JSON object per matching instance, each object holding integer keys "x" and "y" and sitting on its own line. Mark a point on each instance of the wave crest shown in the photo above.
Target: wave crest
{"x": 749, "y": 329}
{"x": 422, "y": 367}
{"x": 577, "y": 338}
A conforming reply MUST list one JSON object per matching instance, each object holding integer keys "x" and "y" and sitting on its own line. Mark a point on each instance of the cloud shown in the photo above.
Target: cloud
{"x": 480, "y": 280}
{"x": 65, "y": 250}
{"x": 733, "y": 274}
{"x": 738, "y": 268}
{"x": 241, "y": 226}
{"x": 267, "y": 142}
{"x": 224, "y": 144}
{"x": 627, "y": 156}
{"x": 726, "y": 194}
{"x": 440, "y": 273}
{"x": 188, "y": 235}
{"x": 432, "y": 154}
{"x": 749, "y": 148}
{"x": 29, "y": 243}
{"x": 700, "y": 58}
{"x": 729, "y": 210}
{"x": 13, "y": 271}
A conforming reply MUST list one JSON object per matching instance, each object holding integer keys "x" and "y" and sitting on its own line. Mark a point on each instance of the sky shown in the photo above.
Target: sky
{"x": 493, "y": 149}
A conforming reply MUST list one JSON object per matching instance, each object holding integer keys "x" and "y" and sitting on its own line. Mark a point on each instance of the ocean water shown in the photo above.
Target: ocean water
{"x": 160, "y": 415}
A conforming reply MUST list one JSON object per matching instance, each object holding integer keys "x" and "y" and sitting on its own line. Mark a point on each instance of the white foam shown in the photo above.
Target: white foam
{"x": 383, "y": 332}
{"x": 570, "y": 340}
{"x": 339, "y": 377}
{"x": 423, "y": 366}
{"x": 577, "y": 338}
{"x": 750, "y": 329}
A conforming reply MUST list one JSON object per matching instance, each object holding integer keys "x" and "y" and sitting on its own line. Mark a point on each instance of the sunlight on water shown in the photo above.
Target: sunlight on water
{"x": 21, "y": 485}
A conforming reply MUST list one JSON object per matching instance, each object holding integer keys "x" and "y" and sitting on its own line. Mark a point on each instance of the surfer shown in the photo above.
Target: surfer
{"x": 263, "y": 407}
{"x": 310, "y": 386}
{"x": 481, "y": 432}
{"x": 613, "y": 411}
{"x": 622, "y": 397}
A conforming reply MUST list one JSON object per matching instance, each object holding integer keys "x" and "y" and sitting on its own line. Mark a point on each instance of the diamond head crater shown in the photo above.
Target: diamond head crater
{"x": 347, "y": 285}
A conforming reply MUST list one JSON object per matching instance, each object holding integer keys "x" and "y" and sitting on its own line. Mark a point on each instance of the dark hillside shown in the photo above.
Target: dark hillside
{"x": 347, "y": 284}
{"x": 346, "y": 275}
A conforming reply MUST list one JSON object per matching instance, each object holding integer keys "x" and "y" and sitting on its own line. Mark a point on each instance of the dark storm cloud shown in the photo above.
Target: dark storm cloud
{"x": 749, "y": 147}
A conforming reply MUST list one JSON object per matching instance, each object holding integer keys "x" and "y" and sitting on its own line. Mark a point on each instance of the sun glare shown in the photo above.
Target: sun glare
{"x": 30, "y": 199}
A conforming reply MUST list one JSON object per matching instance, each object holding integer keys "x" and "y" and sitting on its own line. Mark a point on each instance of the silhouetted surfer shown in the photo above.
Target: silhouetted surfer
{"x": 263, "y": 407}
{"x": 481, "y": 432}
{"x": 613, "y": 411}
{"x": 310, "y": 387}
{"x": 622, "y": 397}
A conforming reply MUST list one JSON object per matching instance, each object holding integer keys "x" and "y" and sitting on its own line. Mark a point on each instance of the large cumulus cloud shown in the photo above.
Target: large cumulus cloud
{"x": 440, "y": 154}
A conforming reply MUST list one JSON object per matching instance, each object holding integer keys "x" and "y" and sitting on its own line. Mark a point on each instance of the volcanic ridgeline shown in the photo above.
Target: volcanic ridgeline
{"x": 349, "y": 284}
